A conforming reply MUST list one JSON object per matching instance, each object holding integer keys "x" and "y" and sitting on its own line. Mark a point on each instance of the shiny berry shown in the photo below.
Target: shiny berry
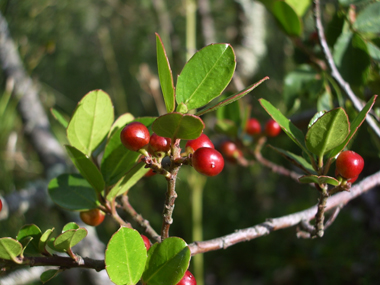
{"x": 146, "y": 242}
{"x": 230, "y": 151}
{"x": 272, "y": 128}
{"x": 135, "y": 136}
{"x": 349, "y": 164}
{"x": 158, "y": 143}
{"x": 1, "y": 205}
{"x": 188, "y": 279}
{"x": 93, "y": 217}
{"x": 201, "y": 141}
{"x": 253, "y": 127}
{"x": 208, "y": 161}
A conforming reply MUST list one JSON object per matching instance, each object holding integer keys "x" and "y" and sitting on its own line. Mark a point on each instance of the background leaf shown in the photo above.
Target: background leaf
{"x": 178, "y": 126}
{"x": 165, "y": 75}
{"x": 205, "y": 75}
{"x": 91, "y": 121}
{"x": 73, "y": 192}
{"x": 125, "y": 257}
{"x": 368, "y": 19}
{"x": 59, "y": 117}
{"x": 287, "y": 18}
{"x": 48, "y": 275}
{"x": 167, "y": 262}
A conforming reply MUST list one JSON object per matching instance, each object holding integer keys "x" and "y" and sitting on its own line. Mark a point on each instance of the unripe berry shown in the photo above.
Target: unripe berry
{"x": 188, "y": 279}
{"x": 253, "y": 127}
{"x": 146, "y": 242}
{"x": 135, "y": 136}
{"x": 201, "y": 141}
{"x": 208, "y": 161}
{"x": 93, "y": 217}
{"x": 272, "y": 128}
{"x": 349, "y": 164}
{"x": 158, "y": 143}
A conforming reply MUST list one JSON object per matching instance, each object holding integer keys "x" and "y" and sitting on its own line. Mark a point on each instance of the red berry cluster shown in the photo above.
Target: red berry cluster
{"x": 93, "y": 217}
{"x": 349, "y": 165}
{"x": 253, "y": 127}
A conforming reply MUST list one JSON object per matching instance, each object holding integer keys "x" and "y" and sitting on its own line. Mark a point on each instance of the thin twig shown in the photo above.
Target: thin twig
{"x": 334, "y": 71}
{"x": 333, "y": 216}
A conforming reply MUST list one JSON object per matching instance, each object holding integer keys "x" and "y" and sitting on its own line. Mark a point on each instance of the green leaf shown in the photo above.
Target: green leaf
{"x": 48, "y": 275}
{"x": 297, "y": 160}
{"x": 230, "y": 112}
{"x": 70, "y": 226}
{"x": 351, "y": 58}
{"x": 178, "y": 126}
{"x": 356, "y": 123}
{"x": 73, "y": 192}
{"x": 325, "y": 102}
{"x": 287, "y": 18}
{"x": 125, "y": 257}
{"x": 167, "y": 262}
{"x": 69, "y": 238}
{"x": 368, "y": 19}
{"x": 59, "y": 117}
{"x": 165, "y": 75}
{"x": 205, "y": 75}
{"x": 231, "y": 98}
{"x": 30, "y": 231}
{"x": 286, "y": 125}
{"x": 374, "y": 51}
{"x": 299, "y": 6}
{"x": 86, "y": 167}
{"x": 10, "y": 249}
{"x": 319, "y": 180}
{"x": 44, "y": 240}
{"x": 120, "y": 123}
{"x": 125, "y": 183}
{"x": 117, "y": 160}
{"x": 91, "y": 121}
{"x": 329, "y": 131}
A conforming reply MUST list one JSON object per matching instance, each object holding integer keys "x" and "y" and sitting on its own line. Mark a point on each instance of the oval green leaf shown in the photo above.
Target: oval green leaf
{"x": 287, "y": 18}
{"x": 178, "y": 126}
{"x": 125, "y": 257}
{"x": 91, "y": 121}
{"x": 72, "y": 192}
{"x": 48, "y": 275}
{"x": 319, "y": 180}
{"x": 165, "y": 75}
{"x": 231, "y": 98}
{"x": 86, "y": 167}
{"x": 23, "y": 235}
{"x": 70, "y": 226}
{"x": 124, "y": 184}
{"x": 205, "y": 75}
{"x": 69, "y": 238}
{"x": 10, "y": 249}
{"x": 44, "y": 240}
{"x": 329, "y": 131}
{"x": 117, "y": 160}
{"x": 368, "y": 20}
{"x": 167, "y": 262}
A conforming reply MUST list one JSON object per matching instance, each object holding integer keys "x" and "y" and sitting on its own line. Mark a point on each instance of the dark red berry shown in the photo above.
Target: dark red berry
{"x": 146, "y": 242}
{"x": 135, "y": 136}
{"x": 201, "y": 141}
{"x": 352, "y": 180}
{"x": 272, "y": 128}
{"x": 253, "y": 127}
{"x": 349, "y": 164}
{"x": 93, "y": 217}
{"x": 208, "y": 161}
{"x": 1, "y": 205}
{"x": 230, "y": 151}
{"x": 158, "y": 143}
{"x": 188, "y": 279}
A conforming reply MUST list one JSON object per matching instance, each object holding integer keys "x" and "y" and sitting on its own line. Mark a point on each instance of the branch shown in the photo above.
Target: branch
{"x": 275, "y": 224}
{"x": 334, "y": 71}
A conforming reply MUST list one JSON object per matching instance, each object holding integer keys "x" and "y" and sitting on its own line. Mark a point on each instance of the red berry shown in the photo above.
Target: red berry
{"x": 158, "y": 143}
{"x": 146, "y": 242}
{"x": 93, "y": 217}
{"x": 352, "y": 180}
{"x": 201, "y": 141}
{"x": 253, "y": 127}
{"x": 208, "y": 161}
{"x": 349, "y": 164}
{"x": 230, "y": 151}
{"x": 135, "y": 136}
{"x": 188, "y": 279}
{"x": 272, "y": 128}
{"x": 1, "y": 205}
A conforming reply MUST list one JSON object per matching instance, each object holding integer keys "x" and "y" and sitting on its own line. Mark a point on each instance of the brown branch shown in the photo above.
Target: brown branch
{"x": 334, "y": 70}
{"x": 271, "y": 225}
